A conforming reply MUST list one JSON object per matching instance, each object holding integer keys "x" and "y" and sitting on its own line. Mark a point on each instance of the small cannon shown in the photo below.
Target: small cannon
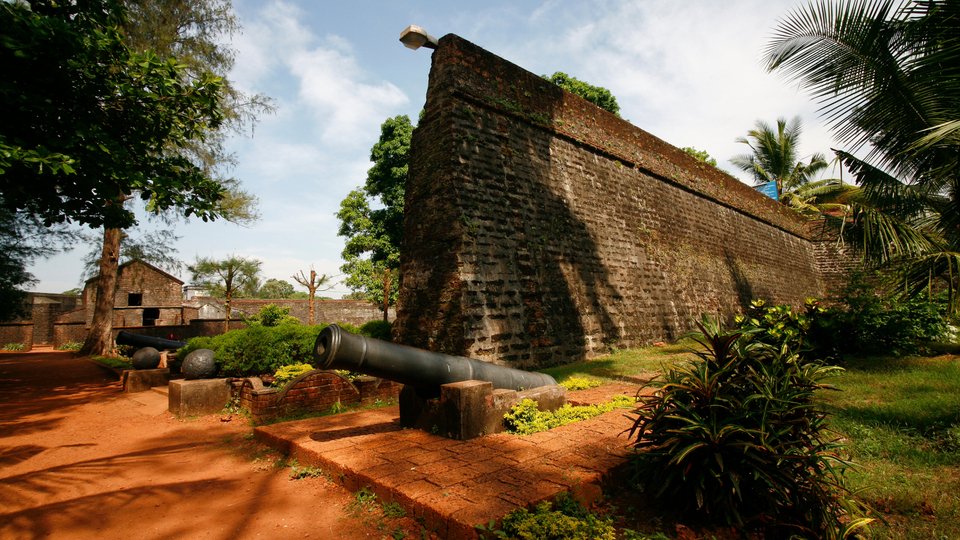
{"x": 140, "y": 340}
{"x": 423, "y": 370}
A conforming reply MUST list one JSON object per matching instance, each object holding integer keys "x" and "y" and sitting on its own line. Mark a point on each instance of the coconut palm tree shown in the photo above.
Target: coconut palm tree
{"x": 773, "y": 156}
{"x": 887, "y": 77}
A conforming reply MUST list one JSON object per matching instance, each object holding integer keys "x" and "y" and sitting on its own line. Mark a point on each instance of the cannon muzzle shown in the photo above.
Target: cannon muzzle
{"x": 424, "y": 370}
{"x": 140, "y": 340}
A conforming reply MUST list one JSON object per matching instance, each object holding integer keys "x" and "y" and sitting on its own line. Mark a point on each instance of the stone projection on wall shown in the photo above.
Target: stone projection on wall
{"x": 540, "y": 229}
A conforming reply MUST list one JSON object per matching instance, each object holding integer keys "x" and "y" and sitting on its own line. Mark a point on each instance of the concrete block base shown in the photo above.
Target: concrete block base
{"x": 196, "y": 397}
{"x": 470, "y": 409}
{"x": 141, "y": 380}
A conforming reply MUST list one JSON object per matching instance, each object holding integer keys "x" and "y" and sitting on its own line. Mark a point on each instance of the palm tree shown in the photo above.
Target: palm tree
{"x": 773, "y": 156}
{"x": 887, "y": 77}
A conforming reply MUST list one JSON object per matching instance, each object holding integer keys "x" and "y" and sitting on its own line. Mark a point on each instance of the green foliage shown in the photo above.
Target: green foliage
{"x": 774, "y": 156}
{"x": 87, "y": 122}
{"x": 526, "y": 418}
{"x": 736, "y": 437}
{"x": 70, "y": 346}
{"x": 113, "y": 362}
{"x": 700, "y": 155}
{"x": 886, "y": 76}
{"x": 229, "y": 277}
{"x": 580, "y": 383}
{"x": 377, "y": 329}
{"x": 563, "y": 519}
{"x": 598, "y": 95}
{"x": 299, "y": 472}
{"x": 782, "y": 327}
{"x": 258, "y": 349}
{"x": 290, "y": 372}
{"x": 14, "y": 347}
{"x": 273, "y": 315}
{"x": 865, "y": 322}
{"x": 275, "y": 289}
{"x": 374, "y": 236}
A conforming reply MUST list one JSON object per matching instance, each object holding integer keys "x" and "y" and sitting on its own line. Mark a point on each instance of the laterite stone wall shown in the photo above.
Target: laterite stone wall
{"x": 540, "y": 229}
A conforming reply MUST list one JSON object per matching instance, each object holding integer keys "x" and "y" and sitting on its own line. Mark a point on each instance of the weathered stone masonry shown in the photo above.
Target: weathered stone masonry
{"x": 541, "y": 229}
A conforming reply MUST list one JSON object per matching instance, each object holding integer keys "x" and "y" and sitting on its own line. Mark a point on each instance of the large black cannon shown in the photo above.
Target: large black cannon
{"x": 140, "y": 340}
{"x": 423, "y": 370}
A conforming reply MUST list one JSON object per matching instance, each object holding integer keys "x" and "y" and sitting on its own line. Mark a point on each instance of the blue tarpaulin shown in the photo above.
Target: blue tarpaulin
{"x": 769, "y": 189}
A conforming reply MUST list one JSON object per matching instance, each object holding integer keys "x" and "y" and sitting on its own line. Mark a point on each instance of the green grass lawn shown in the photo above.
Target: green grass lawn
{"x": 899, "y": 419}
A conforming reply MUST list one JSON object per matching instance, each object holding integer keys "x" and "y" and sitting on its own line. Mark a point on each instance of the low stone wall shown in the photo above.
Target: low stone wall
{"x": 313, "y": 392}
{"x": 17, "y": 332}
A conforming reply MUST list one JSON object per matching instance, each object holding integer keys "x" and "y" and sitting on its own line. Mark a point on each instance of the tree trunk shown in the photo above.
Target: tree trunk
{"x": 226, "y": 306}
{"x": 100, "y": 338}
{"x": 313, "y": 292}
{"x": 386, "y": 295}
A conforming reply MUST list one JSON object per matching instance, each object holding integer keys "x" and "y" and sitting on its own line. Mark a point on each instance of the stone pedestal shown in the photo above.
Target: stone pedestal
{"x": 201, "y": 396}
{"x": 141, "y": 380}
{"x": 470, "y": 409}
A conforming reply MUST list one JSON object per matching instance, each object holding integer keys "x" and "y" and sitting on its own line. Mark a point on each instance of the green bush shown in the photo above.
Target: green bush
{"x": 736, "y": 437}
{"x": 257, "y": 350}
{"x": 377, "y": 329}
{"x": 70, "y": 346}
{"x": 525, "y": 418}
{"x": 868, "y": 323}
{"x": 14, "y": 347}
{"x": 580, "y": 383}
{"x": 272, "y": 315}
{"x": 288, "y": 373}
{"x": 564, "y": 519}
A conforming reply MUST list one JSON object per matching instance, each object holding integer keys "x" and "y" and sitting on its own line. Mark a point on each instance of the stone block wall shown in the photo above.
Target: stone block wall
{"x": 354, "y": 312}
{"x": 17, "y": 332}
{"x": 540, "y": 229}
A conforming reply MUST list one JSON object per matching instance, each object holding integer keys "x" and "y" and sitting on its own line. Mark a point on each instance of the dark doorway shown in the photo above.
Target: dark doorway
{"x": 150, "y": 316}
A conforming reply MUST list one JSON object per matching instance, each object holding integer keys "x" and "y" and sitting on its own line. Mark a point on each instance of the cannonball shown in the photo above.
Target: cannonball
{"x": 199, "y": 364}
{"x": 146, "y": 358}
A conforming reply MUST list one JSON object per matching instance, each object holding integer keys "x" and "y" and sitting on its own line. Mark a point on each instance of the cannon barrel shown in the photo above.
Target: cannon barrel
{"x": 424, "y": 370}
{"x": 140, "y": 340}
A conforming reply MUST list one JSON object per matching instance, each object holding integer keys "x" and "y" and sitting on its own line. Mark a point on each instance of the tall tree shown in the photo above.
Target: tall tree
{"x": 598, "y": 95}
{"x": 774, "y": 157}
{"x": 225, "y": 277}
{"x": 153, "y": 247}
{"x": 90, "y": 123}
{"x": 192, "y": 32}
{"x": 313, "y": 284}
{"x": 887, "y": 77}
{"x": 275, "y": 289}
{"x": 373, "y": 236}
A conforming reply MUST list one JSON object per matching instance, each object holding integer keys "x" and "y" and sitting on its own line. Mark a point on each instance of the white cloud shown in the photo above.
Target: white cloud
{"x": 343, "y": 100}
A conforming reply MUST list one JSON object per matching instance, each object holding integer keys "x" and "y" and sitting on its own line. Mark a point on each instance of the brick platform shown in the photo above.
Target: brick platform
{"x": 454, "y": 485}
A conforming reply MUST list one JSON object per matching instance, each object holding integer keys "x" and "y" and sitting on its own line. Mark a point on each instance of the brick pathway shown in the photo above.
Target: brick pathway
{"x": 454, "y": 485}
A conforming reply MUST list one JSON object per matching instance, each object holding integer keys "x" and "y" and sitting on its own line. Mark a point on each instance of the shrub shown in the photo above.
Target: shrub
{"x": 14, "y": 347}
{"x": 272, "y": 315}
{"x": 377, "y": 329}
{"x": 735, "y": 436}
{"x": 288, "y": 373}
{"x": 257, "y": 350}
{"x": 564, "y": 519}
{"x": 865, "y": 322}
{"x": 525, "y": 418}
{"x": 580, "y": 383}
{"x": 70, "y": 346}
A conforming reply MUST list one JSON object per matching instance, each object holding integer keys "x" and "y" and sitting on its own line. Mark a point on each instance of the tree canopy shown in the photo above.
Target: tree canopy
{"x": 887, "y": 77}
{"x": 226, "y": 277}
{"x": 598, "y": 95}
{"x": 774, "y": 156}
{"x": 374, "y": 235}
{"x": 88, "y": 122}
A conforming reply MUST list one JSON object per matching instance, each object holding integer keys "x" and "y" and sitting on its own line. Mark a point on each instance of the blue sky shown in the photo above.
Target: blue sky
{"x": 688, "y": 72}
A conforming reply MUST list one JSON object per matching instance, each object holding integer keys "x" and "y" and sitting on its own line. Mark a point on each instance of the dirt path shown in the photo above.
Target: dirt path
{"x": 79, "y": 459}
